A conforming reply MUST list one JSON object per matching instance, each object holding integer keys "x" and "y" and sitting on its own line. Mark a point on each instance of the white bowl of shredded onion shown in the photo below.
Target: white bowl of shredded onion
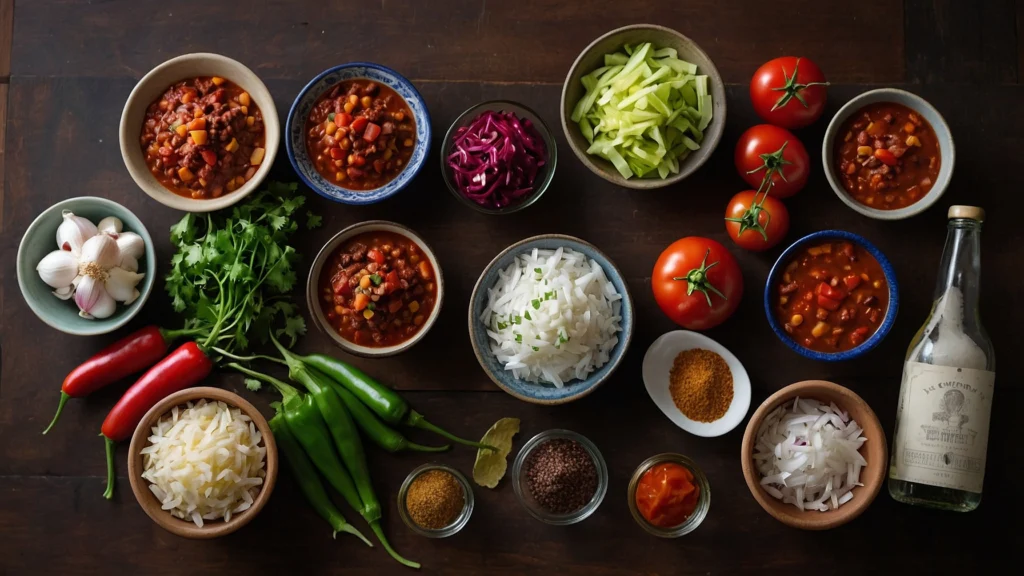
{"x": 814, "y": 455}
{"x": 202, "y": 462}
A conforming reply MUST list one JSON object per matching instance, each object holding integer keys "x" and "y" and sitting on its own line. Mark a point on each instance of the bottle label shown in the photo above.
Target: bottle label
{"x": 943, "y": 426}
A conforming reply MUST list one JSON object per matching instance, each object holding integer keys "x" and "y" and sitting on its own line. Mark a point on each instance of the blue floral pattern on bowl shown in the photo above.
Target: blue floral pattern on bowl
{"x": 542, "y": 393}
{"x": 295, "y": 131}
{"x": 890, "y": 313}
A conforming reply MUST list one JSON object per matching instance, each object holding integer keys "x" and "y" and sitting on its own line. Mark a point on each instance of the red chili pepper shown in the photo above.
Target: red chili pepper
{"x": 123, "y": 358}
{"x": 184, "y": 367}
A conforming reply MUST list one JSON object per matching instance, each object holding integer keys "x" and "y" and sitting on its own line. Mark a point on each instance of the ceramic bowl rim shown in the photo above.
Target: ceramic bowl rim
{"x": 714, "y": 77}
{"x": 140, "y": 487}
{"x": 626, "y": 333}
{"x": 144, "y": 179}
{"x": 313, "y": 295}
{"x": 867, "y": 345}
{"x": 947, "y": 149}
{"x": 406, "y": 176}
{"x": 545, "y": 134}
{"x": 104, "y": 325}
{"x": 810, "y": 519}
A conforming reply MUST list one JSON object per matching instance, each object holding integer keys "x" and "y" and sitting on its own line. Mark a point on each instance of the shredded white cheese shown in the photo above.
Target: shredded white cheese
{"x": 204, "y": 461}
{"x": 553, "y": 316}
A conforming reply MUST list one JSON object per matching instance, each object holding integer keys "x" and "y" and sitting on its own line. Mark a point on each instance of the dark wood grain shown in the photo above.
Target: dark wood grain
{"x": 951, "y": 41}
{"x": 454, "y": 40}
{"x": 75, "y": 63}
{"x": 6, "y": 38}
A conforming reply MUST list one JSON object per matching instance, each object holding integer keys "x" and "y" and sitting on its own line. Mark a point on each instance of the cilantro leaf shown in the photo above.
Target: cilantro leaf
{"x": 313, "y": 220}
{"x": 253, "y": 384}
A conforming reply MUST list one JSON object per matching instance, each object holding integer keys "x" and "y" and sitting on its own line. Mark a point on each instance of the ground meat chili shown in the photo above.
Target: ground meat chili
{"x": 204, "y": 137}
{"x": 833, "y": 296}
{"x": 888, "y": 157}
{"x": 360, "y": 134}
{"x": 378, "y": 289}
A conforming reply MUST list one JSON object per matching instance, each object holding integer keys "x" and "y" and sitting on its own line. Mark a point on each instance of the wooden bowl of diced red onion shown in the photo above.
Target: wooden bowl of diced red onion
{"x": 814, "y": 455}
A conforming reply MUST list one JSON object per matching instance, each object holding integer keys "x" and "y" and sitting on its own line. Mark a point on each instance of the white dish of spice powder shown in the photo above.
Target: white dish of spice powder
{"x": 658, "y": 365}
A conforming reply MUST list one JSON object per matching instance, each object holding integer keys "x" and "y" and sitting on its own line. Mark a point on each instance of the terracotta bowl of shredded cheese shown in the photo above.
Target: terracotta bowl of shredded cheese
{"x": 844, "y": 443}
{"x": 202, "y": 463}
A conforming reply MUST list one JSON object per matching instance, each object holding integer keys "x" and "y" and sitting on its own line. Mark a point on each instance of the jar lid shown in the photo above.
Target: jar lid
{"x": 968, "y": 212}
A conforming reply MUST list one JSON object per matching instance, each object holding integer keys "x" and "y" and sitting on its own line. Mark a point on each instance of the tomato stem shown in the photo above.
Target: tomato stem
{"x": 697, "y": 279}
{"x": 791, "y": 89}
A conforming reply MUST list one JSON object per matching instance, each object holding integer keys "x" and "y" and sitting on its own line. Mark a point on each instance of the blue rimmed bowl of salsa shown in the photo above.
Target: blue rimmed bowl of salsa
{"x": 358, "y": 133}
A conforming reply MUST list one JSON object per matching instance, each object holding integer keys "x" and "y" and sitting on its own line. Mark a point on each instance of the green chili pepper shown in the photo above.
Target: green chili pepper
{"x": 305, "y": 474}
{"x": 346, "y": 440}
{"x": 384, "y": 401}
{"x": 380, "y": 433}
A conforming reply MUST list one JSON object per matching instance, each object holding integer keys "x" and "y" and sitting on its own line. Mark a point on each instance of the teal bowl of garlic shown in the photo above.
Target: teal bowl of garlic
{"x": 104, "y": 250}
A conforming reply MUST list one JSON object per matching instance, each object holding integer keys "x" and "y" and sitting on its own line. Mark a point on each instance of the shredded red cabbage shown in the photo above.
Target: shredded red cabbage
{"x": 496, "y": 158}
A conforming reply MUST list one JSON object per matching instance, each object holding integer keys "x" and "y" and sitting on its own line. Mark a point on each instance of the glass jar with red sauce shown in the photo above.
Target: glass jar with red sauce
{"x": 360, "y": 134}
{"x": 669, "y": 496}
{"x": 378, "y": 289}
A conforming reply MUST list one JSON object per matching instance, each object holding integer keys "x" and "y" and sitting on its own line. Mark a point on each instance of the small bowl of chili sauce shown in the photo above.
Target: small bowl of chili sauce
{"x": 831, "y": 296}
{"x": 358, "y": 133}
{"x": 888, "y": 154}
{"x": 199, "y": 132}
{"x": 669, "y": 496}
{"x": 375, "y": 288}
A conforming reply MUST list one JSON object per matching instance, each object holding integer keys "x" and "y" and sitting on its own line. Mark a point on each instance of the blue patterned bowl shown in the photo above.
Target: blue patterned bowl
{"x": 538, "y": 393}
{"x": 779, "y": 268}
{"x": 295, "y": 131}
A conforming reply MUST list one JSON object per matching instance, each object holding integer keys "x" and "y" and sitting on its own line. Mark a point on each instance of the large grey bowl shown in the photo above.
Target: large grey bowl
{"x": 919, "y": 105}
{"x": 592, "y": 58}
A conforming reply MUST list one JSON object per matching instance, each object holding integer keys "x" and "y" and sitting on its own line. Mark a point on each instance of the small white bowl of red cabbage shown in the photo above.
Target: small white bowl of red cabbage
{"x": 498, "y": 157}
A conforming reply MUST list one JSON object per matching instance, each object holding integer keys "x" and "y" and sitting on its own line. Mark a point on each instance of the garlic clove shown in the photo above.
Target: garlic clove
{"x": 120, "y": 284}
{"x": 101, "y": 250}
{"x": 65, "y": 293}
{"x": 74, "y": 231}
{"x": 132, "y": 244}
{"x": 87, "y": 294}
{"x": 105, "y": 306}
{"x": 58, "y": 268}
{"x": 129, "y": 263}
{"x": 111, "y": 226}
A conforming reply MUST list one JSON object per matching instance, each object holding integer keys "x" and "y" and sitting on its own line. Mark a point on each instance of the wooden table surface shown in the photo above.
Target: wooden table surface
{"x": 68, "y": 66}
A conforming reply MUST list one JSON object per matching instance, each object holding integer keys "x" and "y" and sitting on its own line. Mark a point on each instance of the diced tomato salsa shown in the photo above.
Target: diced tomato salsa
{"x": 378, "y": 289}
{"x": 832, "y": 297}
{"x": 203, "y": 137}
{"x": 360, "y": 134}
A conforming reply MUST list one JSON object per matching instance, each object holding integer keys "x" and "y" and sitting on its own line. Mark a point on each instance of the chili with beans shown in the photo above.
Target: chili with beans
{"x": 832, "y": 297}
{"x": 889, "y": 157}
{"x": 378, "y": 289}
{"x": 204, "y": 137}
{"x": 360, "y": 134}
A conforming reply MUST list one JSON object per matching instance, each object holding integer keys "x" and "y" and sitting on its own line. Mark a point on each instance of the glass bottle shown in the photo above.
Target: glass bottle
{"x": 942, "y": 422}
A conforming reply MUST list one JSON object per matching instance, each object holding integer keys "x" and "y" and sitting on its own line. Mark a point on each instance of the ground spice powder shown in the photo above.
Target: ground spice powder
{"x": 561, "y": 476}
{"x": 434, "y": 499}
{"x": 701, "y": 385}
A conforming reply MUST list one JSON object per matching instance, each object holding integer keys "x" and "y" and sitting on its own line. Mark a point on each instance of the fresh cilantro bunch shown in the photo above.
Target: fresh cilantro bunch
{"x": 232, "y": 275}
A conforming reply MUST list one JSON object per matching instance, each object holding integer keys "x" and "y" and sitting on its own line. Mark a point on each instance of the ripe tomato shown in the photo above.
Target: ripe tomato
{"x": 765, "y": 151}
{"x": 756, "y": 224}
{"x": 697, "y": 283}
{"x": 788, "y": 92}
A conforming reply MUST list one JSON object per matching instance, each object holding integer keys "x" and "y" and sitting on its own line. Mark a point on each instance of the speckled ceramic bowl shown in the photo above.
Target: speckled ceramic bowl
{"x": 946, "y": 150}
{"x": 295, "y": 131}
{"x": 777, "y": 272}
{"x": 41, "y": 238}
{"x": 538, "y": 393}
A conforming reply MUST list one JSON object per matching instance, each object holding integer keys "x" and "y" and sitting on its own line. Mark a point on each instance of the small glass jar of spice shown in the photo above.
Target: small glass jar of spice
{"x": 669, "y": 496}
{"x": 435, "y": 501}
{"x": 560, "y": 477}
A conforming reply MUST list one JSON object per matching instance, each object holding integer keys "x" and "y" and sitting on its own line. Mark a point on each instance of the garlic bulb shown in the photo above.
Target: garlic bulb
{"x": 131, "y": 244}
{"x": 92, "y": 299}
{"x": 120, "y": 284}
{"x": 101, "y": 250}
{"x": 74, "y": 231}
{"x": 128, "y": 263}
{"x": 58, "y": 269}
{"x": 111, "y": 225}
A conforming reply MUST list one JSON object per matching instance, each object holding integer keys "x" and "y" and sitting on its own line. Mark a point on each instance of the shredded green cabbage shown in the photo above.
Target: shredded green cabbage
{"x": 644, "y": 110}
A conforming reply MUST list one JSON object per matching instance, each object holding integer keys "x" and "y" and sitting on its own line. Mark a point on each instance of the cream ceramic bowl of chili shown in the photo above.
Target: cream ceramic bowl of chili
{"x": 199, "y": 152}
{"x": 888, "y": 154}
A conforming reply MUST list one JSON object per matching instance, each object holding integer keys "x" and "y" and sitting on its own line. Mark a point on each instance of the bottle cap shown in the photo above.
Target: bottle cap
{"x": 968, "y": 212}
